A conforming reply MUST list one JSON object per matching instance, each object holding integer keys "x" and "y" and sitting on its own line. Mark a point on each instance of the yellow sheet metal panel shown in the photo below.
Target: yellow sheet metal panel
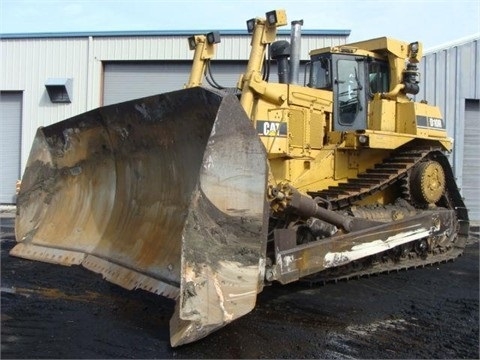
{"x": 317, "y": 130}
{"x": 297, "y": 127}
{"x": 382, "y": 115}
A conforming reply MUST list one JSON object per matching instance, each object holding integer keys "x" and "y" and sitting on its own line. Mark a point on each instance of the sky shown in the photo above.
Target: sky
{"x": 433, "y": 22}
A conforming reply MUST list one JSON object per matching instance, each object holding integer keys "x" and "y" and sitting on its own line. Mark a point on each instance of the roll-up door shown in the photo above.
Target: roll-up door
{"x": 10, "y": 143}
{"x": 130, "y": 80}
{"x": 471, "y": 159}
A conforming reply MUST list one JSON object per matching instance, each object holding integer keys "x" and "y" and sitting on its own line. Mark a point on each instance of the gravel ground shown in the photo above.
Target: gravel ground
{"x": 50, "y": 311}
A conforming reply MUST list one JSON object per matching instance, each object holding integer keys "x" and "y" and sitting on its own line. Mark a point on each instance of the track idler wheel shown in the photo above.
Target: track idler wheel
{"x": 427, "y": 182}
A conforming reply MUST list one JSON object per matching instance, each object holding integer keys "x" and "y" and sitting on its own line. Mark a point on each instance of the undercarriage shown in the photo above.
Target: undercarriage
{"x": 426, "y": 224}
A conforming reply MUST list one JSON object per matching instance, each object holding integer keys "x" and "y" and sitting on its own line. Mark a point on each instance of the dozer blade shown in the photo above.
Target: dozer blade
{"x": 164, "y": 193}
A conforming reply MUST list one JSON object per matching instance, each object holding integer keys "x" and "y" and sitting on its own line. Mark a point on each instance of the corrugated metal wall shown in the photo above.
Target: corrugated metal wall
{"x": 471, "y": 159}
{"x": 26, "y": 65}
{"x": 450, "y": 79}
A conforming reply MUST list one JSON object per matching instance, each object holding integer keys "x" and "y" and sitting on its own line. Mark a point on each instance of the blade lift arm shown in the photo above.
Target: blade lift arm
{"x": 204, "y": 50}
{"x": 264, "y": 32}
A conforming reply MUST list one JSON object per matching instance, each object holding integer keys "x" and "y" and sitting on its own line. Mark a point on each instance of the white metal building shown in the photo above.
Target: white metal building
{"x": 450, "y": 77}
{"x": 104, "y": 68}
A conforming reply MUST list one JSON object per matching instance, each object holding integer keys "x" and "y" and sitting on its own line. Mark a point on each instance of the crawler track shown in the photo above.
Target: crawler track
{"x": 376, "y": 179}
{"x": 396, "y": 170}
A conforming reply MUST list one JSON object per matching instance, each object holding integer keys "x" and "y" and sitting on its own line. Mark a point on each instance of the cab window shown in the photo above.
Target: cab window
{"x": 320, "y": 75}
{"x": 378, "y": 75}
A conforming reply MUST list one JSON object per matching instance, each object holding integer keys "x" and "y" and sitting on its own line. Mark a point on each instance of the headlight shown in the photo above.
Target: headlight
{"x": 271, "y": 17}
{"x": 192, "y": 42}
{"x": 213, "y": 37}
{"x": 363, "y": 139}
{"x": 250, "y": 25}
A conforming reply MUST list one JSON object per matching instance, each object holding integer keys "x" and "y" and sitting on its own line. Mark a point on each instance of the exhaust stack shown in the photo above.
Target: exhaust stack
{"x": 295, "y": 38}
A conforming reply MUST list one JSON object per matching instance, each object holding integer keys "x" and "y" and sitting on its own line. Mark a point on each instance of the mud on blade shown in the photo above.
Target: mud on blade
{"x": 165, "y": 193}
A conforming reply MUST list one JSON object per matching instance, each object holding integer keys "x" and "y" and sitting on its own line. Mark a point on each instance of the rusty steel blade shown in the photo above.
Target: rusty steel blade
{"x": 165, "y": 194}
{"x": 224, "y": 242}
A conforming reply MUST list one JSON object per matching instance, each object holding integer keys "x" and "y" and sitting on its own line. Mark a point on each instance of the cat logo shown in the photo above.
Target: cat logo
{"x": 272, "y": 128}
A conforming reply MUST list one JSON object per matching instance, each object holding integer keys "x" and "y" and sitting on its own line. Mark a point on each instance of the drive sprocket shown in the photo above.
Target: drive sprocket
{"x": 427, "y": 182}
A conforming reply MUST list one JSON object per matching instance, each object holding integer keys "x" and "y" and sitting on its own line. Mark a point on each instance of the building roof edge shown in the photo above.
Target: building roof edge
{"x": 311, "y": 32}
{"x": 448, "y": 45}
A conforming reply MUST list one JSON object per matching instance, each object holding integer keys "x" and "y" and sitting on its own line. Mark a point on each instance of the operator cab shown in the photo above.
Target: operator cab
{"x": 353, "y": 78}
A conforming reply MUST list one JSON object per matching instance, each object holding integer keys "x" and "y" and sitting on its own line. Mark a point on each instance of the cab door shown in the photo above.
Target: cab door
{"x": 349, "y": 93}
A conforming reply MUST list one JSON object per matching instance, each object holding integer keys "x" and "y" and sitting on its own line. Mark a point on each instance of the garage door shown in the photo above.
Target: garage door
{"x": 471, "y": 160}
{"x": 10, "y": 142}
{"x": 126, "y": 81}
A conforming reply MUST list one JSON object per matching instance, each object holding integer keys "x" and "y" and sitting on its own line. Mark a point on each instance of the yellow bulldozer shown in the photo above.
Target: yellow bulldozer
{"x": 206, "y": 195}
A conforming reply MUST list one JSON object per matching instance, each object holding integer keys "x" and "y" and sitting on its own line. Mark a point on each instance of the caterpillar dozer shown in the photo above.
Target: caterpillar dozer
{"x": 206, "y": 195}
